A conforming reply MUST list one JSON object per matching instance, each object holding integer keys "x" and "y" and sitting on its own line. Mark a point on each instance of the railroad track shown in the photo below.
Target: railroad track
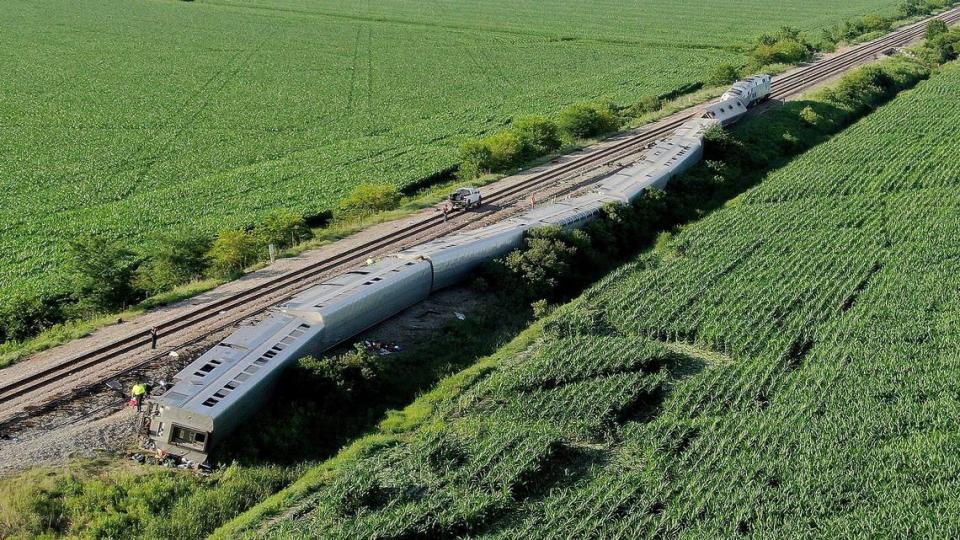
{"x": 229, "y": 310}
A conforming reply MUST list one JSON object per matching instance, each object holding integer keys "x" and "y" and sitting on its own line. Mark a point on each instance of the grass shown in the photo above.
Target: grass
{"x": 115, "y": 499}
{"x": 210, "y": 113}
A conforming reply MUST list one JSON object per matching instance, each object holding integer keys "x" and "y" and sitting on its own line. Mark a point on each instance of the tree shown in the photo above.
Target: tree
{"x": 231, "y": 253}
{"x": 943, "y": 47}
{"x": 370, "y": 198}
{"x": 538, "y": 135}
{"x": 722, "y": 75}
{"x": 588, "y": 119}
{"x": 787, "y": 46}
{"x": 282, "y": 228}
{"x": 179, "y": 257}
{"x": 544, "y": 264}
{"x": 475, "y": 159}
{"x": 101, "y": 272}
{"x": 646, "y": 105}
{"x": 506, "y": 149}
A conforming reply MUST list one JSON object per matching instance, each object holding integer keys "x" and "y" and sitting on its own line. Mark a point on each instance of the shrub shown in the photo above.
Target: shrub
{"x": 349, "y": 376}
{"x": 541, "y": 308}
{"x": 810, "y": 116}
{"x": 722, "y": 75}
{"x": 506, "y": 149}
{"x": 588, "y": 119}
{"x": 539, "y": 135}
{"x": 935, "y": 28}
{"x": 282, "y": 228}
{"x": 25, "y": 316}
{"x": 913, "y": 8}
{"x": 787, "y": 46}
{"x": 231, "y": 252}
{"x": 646, "y": 105}
{"x": 941, "y": 47}
{"x": 102, "y": 273}
{"x": 543, "y": 265}
{"x": 178, "y": 258}
{"x": 370, "y": 198}
{"x": 475, "y": 159}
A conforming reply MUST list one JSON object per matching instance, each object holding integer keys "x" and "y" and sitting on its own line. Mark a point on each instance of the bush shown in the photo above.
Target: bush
{"x": 370, "y": 198}
{"x": 942, "y": 47}
{"x": 231, "y": 253}
{"x": 588, "y": 119}
{"x": 810, "y": 116}
{"x": 26, "y": 316}
{"x": 178, "y": 258}
{"x": 506, "y": 149}
{"x": 538, "y": 135}
{"x": 350, "y": 376}
{"x": 475, "y": 159}
{"x": 543, "y": 264}
{"x": 935, "y": 28}
{"x": 646, "y": 105}
{"x": 282, "y": 228}
{"x": 102, "y": 273}
{"x": 788, "y": 46}
{"x": 722, "y": 75}
{"x": 913, "y": 8}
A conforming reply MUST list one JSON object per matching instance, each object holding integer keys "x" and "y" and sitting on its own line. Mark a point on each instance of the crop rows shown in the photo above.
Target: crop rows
{"x": 832, "y": 291}
{"x": 132, "y": 120}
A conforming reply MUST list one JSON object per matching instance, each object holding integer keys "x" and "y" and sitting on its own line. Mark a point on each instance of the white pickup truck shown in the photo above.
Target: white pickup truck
{"x": 466, "y": 198}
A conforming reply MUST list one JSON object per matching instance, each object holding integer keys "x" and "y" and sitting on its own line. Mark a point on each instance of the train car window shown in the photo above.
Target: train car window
{"x": 188, "y": 437}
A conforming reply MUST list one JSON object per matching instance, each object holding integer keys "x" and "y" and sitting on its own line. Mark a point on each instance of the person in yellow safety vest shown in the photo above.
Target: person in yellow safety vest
{"x": 139, "y": 390}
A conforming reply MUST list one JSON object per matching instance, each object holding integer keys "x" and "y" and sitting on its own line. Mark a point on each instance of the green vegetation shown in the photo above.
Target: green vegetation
{"x": 369, "y": 199}
{"x": 593, "y": 417}
{"x": 206, "y": 115}
{"x": 98, "y": 500}
{"x": 740, "y": 357}
{"x": 721, "y": 75}
{"x": 788, "y": 46}
{"x": 102, "y": 272}
{"x": 180, "y": 257}
{"x": 534, "y": 136}
{"x": 307, "y": 424}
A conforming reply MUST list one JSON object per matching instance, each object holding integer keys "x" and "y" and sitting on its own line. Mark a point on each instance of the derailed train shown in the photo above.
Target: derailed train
{"x": 224, "y": 386}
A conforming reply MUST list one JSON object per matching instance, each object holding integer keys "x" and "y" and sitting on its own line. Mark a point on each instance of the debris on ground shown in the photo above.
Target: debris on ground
{"x": 380, "y": 348}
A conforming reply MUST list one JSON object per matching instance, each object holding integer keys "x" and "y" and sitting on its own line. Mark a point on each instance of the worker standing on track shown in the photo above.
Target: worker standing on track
{"x": 153, "y": 337}
{"x": 446, "y": 210}
{"x": 139, "y": 391}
